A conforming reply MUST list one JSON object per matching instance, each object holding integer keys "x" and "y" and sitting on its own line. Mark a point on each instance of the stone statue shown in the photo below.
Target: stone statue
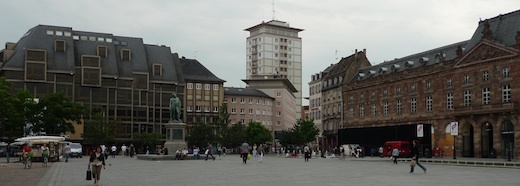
{"x": 175, "y": 109}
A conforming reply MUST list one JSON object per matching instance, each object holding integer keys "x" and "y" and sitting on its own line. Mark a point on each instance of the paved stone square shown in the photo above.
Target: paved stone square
{"x": 273, "y": 170}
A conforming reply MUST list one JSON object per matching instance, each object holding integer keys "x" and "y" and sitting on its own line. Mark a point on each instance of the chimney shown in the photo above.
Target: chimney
{"x": 365, "y": 51}
{"x": 355, "y": 54}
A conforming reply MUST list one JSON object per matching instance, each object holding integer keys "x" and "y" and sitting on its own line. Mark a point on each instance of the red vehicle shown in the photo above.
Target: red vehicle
{"x": 404, "y": 148}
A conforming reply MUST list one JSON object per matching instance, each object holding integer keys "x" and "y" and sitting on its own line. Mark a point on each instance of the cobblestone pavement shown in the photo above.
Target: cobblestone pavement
{"x": 13, "y": 174}
{"x": 272, "y": 171}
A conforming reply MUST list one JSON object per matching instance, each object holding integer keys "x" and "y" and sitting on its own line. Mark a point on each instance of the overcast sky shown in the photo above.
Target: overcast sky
{"x": 212, "y": 31}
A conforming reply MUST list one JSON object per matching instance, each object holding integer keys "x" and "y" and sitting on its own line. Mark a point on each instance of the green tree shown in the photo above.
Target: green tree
{"x": 234, "y": 135}
{"x": 221, "y": 126}
{"x": 149, "y": 139}
{"x": 57, "y": 114}
{"x": 257, "y": 133}
{"x": 98, "y": 130}
{"x": 307, "y": 130}
{"x": 9, "y": 117}
{"x": 201, "y": 135}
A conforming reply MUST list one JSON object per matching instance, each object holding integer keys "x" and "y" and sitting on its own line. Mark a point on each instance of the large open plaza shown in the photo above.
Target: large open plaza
{"x": 273, "y": 170}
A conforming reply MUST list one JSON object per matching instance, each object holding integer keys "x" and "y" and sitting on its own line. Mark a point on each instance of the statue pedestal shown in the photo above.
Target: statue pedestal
{"x": 175, "y": 137}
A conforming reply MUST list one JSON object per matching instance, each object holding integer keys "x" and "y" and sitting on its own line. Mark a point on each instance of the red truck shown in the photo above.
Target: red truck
{"x": 404, "y": 147}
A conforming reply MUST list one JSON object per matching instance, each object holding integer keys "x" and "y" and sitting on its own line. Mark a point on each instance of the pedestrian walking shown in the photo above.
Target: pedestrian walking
{"x": 380, "y": 151}
{"x": 341, "y": 152}
{"x": 306, "y": 153}
{"x": 123, "y": 149}
{"x": 7, "y": 151}
{"x": 97, "y": 160}
{"x": 67, "y": 151}
{"x": 254, "y": 151}
{"x": 219, "y": 151}
{"x": 208, "y": 153}
{"x": 244, "y": 152}
{"x": 261, "y": 151}
{"x": 196, "y": 153}
{"x": 131, "y": 150}
{"x": 113, "y": 151}
{"x": 395, "y": 154}
{"x": 224, "y": 151}
{"x": 415, "y": 156}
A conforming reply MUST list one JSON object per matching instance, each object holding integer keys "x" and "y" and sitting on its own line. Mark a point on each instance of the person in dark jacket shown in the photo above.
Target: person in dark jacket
{"x": 97, "y": 160}
{"x": 415, "y": 156}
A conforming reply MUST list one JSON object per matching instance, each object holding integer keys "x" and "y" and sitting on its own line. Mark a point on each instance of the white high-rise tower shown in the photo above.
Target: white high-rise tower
{"x": 274, "y": 50}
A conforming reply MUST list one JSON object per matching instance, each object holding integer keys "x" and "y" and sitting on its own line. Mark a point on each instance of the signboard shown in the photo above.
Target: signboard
{"x": 420, "y": 131}
{"x": 454, "y": 128}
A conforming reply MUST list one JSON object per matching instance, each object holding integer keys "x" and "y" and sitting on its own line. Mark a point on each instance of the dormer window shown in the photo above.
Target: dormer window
{"x": 382, "y": 70}
{"x": 102, "y": 51}
{"x": 409, "y": 64}
{"x": 361, "y": 75}
{"x": 424, "y": 60}
{"x": 157, "y": 69}
{"x": 395, "y": 67}
{"x": 372, "y": 72}
{"x": 126, "y": 54}
{"x": 59, "y": 46}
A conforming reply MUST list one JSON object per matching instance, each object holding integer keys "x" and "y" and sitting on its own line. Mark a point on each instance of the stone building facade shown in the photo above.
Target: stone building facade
{"x": 470, "y": 82}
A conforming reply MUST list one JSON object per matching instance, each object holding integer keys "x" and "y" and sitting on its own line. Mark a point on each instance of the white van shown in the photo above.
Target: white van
{"x": 76, "y": 150}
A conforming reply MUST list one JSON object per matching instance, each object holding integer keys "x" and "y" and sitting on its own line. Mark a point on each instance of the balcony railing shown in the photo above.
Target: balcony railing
{"x": 486, "y": 109}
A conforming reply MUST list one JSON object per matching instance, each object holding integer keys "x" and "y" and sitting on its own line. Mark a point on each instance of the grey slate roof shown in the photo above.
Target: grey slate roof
{"x": 338, "y": 70}
{"x": 425, "y": 58}
{"x": 503, "y": 27}
{"x": 142, "y": 55}
{"x": 245, "y": 92}
{"x": 193, "y": 70}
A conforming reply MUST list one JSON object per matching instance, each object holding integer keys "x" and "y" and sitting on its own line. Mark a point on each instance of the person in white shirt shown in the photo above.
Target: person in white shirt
{"x": 196, "y": 153}
{"x": 113, "y": 151}
{"x": 123, "y": 149}
{"x": 184, "y": 154}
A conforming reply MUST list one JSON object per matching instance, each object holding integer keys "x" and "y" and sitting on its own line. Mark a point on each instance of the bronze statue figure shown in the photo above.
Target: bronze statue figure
{"x": 175, "y": 109}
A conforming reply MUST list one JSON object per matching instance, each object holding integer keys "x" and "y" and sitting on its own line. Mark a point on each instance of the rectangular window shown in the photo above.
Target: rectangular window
{"x": 233, "y": 110}
{"x": 215, "y": 109}
{"x": 215, "y": 87}
{"x": 242, "y": 111}
{"x": 429, "y": 103}
{"x": 278, "y": 94}
{"x": 257, "y": 101}
{"x": 413, "y": 105}
{"x": 207, "y": 87}
{"x": 361, "y": 111}
{"x": 429, "y": 86}
{"x": 398, "y": 91}
{"x": 102, "y": 51}
{"x": 278, "y": 123}
{"x": 506, "y": 93}
{"x": 198, "y": 86}
{"x": 485, "y": 76}
{"x": 91, "y": 76}
{"x": 467, "y": 98}
{"x": 233, "y": 100}
{"x": 35, "y": 55}
{"x": 188, "y": 108}
{"x": 35, "y": 71}
{"x": 126, "y": 54}
{"x": 351, "y": 112}
{"x": 198, "y": 109}
{"x": 505, "y": 72}
{"x": 486, "y": 96}
{"x": 250, "y": 111}
{"x": 59, "y": 46}
{"x": 242, "y": 100}
{"x": 278, "y": 104}
{"x": 399, "y": 106}
{"x": 157, "y": 70}
{"x": 189, "y": 85}
{"x": 385, "y": 108}
{"x": 278, "y": 113}
{"x": 373, "y": 110}
{"x": 448, "y": 83}
{"x": 90, "y": 61}
{"x": 258, "y": 112}
{"x": 50, "y": 32}
{"x": 385, "y": 93}
{"x": 412, "y": 88}
{"x": 207, "y": 109}
{"x": 466, "y": 79}
{"x": 449, "y": 101}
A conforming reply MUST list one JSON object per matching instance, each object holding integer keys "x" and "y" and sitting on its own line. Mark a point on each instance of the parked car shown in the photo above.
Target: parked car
{"x": 76, "y": 150}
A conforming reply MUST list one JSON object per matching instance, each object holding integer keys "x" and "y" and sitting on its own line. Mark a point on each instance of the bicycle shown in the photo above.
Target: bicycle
{"x": 27, "y": 163}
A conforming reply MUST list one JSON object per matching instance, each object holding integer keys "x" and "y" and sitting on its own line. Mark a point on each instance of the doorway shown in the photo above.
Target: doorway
{"x": 508, "y": 139}
{"x": 487, "y": 140}
{"x": 467, "y": 141}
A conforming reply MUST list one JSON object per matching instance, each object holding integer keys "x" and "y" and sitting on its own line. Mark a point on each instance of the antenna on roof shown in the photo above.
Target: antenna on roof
{"x": 273, "y": 8}
{"x": 336, "y": 54}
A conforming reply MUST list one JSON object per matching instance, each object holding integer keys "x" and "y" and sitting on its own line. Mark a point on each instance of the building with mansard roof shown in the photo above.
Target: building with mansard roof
{"x": 127, "y": 80}
{"x": 420, "y": 97}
